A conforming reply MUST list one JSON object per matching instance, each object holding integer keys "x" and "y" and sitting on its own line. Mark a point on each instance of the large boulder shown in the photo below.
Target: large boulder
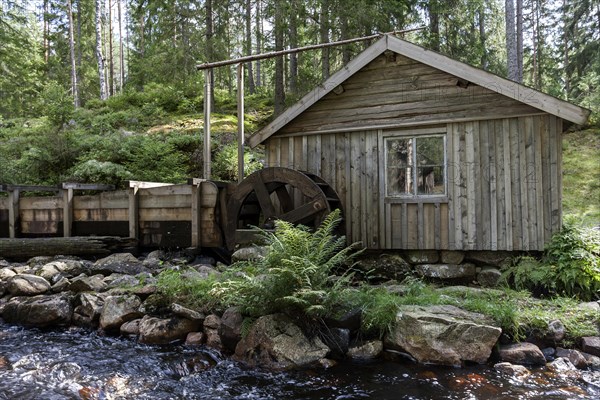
{"x": 119, "y": 309}
{"x": 249, "y": 253}
{"x": 211, "y": 326}
{"x": 121, "y": 263}
{"x": 489, "y": 276}
{"x": 275, "y": 342}
{"x": 154, "y": 330}
{"x": 27, "y": 285}
{"x": 442, "y": 335}
{"x": 88, "y": 309}
{"x": 446, "y": 271}
{"x": 39, "y": 311}
{"x": 6, "y": 273}
{"x": 421, "y": 256}
{"x": 489, "y": 257}
{"x": 522, "y": 353}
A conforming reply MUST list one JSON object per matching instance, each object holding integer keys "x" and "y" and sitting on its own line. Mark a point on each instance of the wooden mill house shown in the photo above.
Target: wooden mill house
{"x": 426, "y": 152}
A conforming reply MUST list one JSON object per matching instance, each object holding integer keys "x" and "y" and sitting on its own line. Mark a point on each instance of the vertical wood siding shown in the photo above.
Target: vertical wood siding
{"x": 503, "y": 176}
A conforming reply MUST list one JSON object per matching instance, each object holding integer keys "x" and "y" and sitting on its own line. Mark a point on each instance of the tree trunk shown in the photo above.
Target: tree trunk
{"x": 520, "y": 41}
{"x": 279, "y": 88}
{"x": 77, "y": 246}
{"x": 121, "y": 56}
{"x": 483, "y": 37}
{"x": 46, "y": 32}
{"x": 99, "y": 55}
{"x": 111, "y": 68}
{"x": 434, "y": 24}
{"x": 74, "y": 84}
{"x": 294, "y": 44}
{"x": 248, "y": 43}
{"x": 324, "y": 36}
{"x": 258, "y": 41}
{"x": 210, "y": 48}
{"x": 566, "y": 52}
{"x": 511, "y": 41}
{"x": 346, "y": 55}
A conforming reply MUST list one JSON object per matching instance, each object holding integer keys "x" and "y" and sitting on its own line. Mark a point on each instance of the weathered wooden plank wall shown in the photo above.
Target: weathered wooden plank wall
{"x": 164, "y": 215}
{"x": 503, "y": 180}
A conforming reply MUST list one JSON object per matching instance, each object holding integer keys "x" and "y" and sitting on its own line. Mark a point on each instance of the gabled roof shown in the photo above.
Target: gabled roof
{"x": 508, "y": 88}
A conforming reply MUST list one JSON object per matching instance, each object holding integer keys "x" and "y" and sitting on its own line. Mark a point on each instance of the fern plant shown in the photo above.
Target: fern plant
{"x": 296, "y": 275}
{"x": 570, "y": 266}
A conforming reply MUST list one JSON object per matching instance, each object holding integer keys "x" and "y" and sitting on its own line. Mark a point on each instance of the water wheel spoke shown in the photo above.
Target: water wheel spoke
{"x": 264, "y": 199}
{"x": 285, "y": 200}
{"x": 303, "y": 212}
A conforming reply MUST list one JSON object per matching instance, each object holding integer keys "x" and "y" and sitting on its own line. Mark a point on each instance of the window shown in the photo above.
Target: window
{"x": 415, "y": 166}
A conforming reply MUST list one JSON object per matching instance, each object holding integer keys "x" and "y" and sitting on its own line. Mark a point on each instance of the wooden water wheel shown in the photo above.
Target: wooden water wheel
{"x": 278, "y": 193}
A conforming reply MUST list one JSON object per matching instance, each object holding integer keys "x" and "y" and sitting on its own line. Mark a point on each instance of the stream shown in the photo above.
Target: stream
{"x": 79, "y": 364}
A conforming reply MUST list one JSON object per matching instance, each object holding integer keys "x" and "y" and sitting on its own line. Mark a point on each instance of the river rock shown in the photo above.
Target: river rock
{"x": 6, "y": 273}
{"x": 67, "y": 268}
{"x": 446, "y": 271}
{"x": 365, "y": 351}
{"x": 61, "y": 285}
{"x": 522, "y": 353}
{"x": 39, "y": 311}
{"x": 592, "y": 361}
{"x": 163, "y": 331}
{"x": 386, "y": 266}
{"x": 421, "y": 256}
{"x": 349, "y": 320}
{"x": 442, "y": 335}
{"x": 555, "y": 332}
{"x": 506, "y": 368}
{"x": 121, "y": 263}
{"x": 155, "y": 259}
{"x": 574, "y": 356}
{"x": 230, "y": 329}
{"x": 84, "y": 283}
{"x": 211, "y": 330}
{"x": 206, "y": 271}
{"x": 451, "y": 257}
{"x": 252, "y": 253}
{"x": 131, "y": 328}
{"x": 187, "y": 313}
{"x": 119, "y": 309}
{"x": 591, "y": 345}
{"x": 38, "y": 261}
{"x": 90, "y": 305}
{"x": 489, "y": 276}
{"x": 275, "y": 342}
{"x": 27, "y": 285}
{"x": 194, "y": 338}
{"x": 488, "y": 257}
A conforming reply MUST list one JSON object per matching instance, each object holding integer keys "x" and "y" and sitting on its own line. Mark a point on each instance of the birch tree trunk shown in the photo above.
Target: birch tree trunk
{"x": 99, "y": 55}
{"x": 121, "y": 55}
{"x": 111, "y": 68}
{"x": 74, "y": 88}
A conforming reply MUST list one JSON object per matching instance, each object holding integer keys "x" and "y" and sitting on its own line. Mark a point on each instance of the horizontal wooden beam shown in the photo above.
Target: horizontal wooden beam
{"x": 28, "y": 188}
{"x": 87, "y": 186}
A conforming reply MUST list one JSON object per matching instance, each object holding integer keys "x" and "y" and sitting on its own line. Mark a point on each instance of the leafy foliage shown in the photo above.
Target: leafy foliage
{"x": 570, "y": 266}
{"x": 296, "y": 275}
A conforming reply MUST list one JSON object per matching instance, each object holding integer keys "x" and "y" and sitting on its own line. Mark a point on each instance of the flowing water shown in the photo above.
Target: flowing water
{"x": 77, "y": 364}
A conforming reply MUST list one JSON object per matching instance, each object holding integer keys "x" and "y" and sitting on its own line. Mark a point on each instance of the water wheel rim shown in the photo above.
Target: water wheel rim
{"x": 271, "y": 180}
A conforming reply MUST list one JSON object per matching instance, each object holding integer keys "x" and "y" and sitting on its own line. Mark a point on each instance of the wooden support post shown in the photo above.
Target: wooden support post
{"x": 196, "y": 212}
{"x": 133, "y": 212}
{"x": 207, "y": 97}
{"x": 67, "y": 212}
{"x": 13, "y": 212}
{"x": 240, "y": 115}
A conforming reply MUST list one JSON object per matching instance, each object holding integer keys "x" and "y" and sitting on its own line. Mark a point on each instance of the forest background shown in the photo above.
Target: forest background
{"x": 107, "y": 90}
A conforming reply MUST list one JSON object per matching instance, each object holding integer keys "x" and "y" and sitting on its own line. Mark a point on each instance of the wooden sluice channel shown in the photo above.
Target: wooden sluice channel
{"x": 154, "y": 214}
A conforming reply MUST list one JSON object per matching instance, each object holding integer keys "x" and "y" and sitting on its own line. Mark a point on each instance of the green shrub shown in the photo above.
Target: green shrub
{"x": 570, "y": 265}
{"x": 296, "y": 276}
{"x": 94, "y": 171}
{"x": 58, "y": 104}
{"x": 225, "y": 165}
{"x": 188, "y": 291}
